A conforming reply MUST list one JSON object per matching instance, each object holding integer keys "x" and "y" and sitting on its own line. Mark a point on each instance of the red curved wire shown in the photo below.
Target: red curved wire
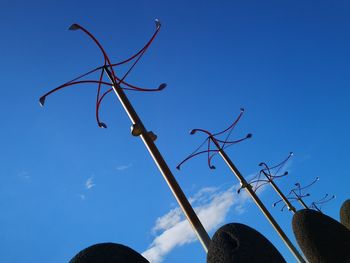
{"x": 100, "y": 124}
{"x": 280, "y": 165}
{"x": 232, "y": 125}
{"x": 108, "y": 64}
{"x": 145, "y": 47}
{"x": 212, "y": 137}
{"x": 75, "y": 83}
{"x": 115, "y": 78}
{"x": 191, "y": 156}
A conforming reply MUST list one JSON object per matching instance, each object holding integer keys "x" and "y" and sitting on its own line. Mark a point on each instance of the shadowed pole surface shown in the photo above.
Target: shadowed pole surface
{"x": 345, "y": 214}
{"x": 321, "y": 238}
{"x": 138, "y": 129}
{"x": 258, "y": 202}
{"x": 108, "y": 253}
{"x": 238, "y": 243}
{"x": 300, "y": 200}
{"x": 279, "y": 192}
{"x": 162, "y": 165}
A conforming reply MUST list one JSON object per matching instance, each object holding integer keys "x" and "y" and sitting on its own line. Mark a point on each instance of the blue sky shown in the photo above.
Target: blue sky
{"x": 67, "y": 184}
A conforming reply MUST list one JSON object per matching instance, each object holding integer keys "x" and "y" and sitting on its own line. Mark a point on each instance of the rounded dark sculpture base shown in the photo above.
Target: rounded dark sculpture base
{"x": 320, "y": 237}
{"x": 108, "y": 253}
{"x": 236, "y": 243}
{"x": 345, "y": 214}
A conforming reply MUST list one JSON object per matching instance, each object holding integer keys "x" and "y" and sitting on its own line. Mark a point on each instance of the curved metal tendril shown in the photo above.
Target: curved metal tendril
{"x": 109, "y": 65}
{"x": 297, "y": 193}
{"x": 298, "y": 189}
{"x": 212, "y": 137}
{"x": 268, "y": 174}
{"x": 317, "y": 205}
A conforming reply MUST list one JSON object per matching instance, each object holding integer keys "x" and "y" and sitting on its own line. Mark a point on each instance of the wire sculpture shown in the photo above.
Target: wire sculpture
{"x": 220, "y": 146}
{"x": 268, "y": 174}
{"x": 212, "y": 138}
{"x": 317, "y": 205}
{"x": 297, "y": 194}
{"x": 118, "y": 85}
{"x": 108, "y": 65}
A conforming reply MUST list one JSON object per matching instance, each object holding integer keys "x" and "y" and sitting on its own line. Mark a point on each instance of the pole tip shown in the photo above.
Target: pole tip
{"x": 192, "y": 132}
{"x": 162, "y": 86}
{"x": 102, "y": 125}
{"x": 158, "y": 24}
{"x": 74, "y": 27}
{"x": 42, "y": 101}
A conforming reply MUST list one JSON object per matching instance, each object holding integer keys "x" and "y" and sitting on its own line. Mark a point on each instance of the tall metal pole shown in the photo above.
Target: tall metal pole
{"x": 279, "y": 192}
{"x": 300, "y": 200}
{"x": 258, "y": 202}
{"x": 138, "y": 129}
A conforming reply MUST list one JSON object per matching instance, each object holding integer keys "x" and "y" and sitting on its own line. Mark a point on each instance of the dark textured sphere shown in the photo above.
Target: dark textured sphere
{"x": 238, "y": 243}
{"x": 345, "y": 214}
{"x": 320, "y": 237}
{"x": 108, "y": 253}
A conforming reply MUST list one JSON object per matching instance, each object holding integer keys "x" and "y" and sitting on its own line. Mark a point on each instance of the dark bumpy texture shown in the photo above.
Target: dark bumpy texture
{"x": 108, "y": 253}
{"x": 321, "y": 238}
{"x": 345, "y": 214}
{"x": 238, "y": 243}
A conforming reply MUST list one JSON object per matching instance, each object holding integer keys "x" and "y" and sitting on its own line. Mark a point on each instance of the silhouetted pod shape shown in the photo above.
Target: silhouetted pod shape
{"x": 320, "y": 237}
{"x": 345, "y": 214}
{"x": 238, "y": 243}
{"x": 108, "y": 253}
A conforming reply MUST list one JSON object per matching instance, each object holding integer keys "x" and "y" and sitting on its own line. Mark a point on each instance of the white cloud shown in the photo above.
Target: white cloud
{"x": 169, "y": 220}
{"x": 24, "y": 175}
{"x": 89, "y": 183}
{"x": 211, "y": 206}
{"x": 82, "y": 197}
{"x": 124, "y": 167}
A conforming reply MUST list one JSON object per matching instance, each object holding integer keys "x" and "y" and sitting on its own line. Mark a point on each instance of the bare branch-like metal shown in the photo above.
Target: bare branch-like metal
{"x": 118, "y": 85}
{"x": 220, "y": 146}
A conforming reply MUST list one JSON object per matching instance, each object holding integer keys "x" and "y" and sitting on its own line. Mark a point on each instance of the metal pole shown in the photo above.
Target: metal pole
{"x": 279, "y": 192}
{"x": 258, "y": 202}
{"x": 140, "y": 130}
{"x": 300, "y": 200}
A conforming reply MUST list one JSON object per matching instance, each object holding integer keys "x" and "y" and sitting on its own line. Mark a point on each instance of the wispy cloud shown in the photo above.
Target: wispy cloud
{"x": 82, "y": 197}
{"x": 124, "y": 167}
{"x": 24, "y": 175}
{"x": 211, "y": 205}
{"x": 89, "y": 183}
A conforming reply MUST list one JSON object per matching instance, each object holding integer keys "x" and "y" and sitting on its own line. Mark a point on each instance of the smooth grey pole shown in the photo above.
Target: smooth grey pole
{"x": 258, "y": 202}
{"x": 300, "y": 200}
{"x": 279, "y": 192}
{"x": 162, "y": 165}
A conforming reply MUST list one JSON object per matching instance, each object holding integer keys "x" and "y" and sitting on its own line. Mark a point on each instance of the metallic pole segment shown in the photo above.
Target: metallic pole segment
{"x": 258, "y": 202}
{"x": 279, "y": 192}
{"x": 140, "y": 130}
{"x": 300, "y": 200}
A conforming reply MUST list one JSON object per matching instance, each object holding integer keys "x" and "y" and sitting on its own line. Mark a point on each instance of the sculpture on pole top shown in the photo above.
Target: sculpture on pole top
{"x": 213, "y": 138}
{"x": 108, "y": 65}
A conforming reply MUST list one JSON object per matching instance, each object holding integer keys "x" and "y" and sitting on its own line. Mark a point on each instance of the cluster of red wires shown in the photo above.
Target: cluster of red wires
{"x": 117, "y": 82}
{"x": 297, "y": 193}
{"x": 213, "y": 138}
{"x": 268, "y": 174}
{"x": 317, "y": 205}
